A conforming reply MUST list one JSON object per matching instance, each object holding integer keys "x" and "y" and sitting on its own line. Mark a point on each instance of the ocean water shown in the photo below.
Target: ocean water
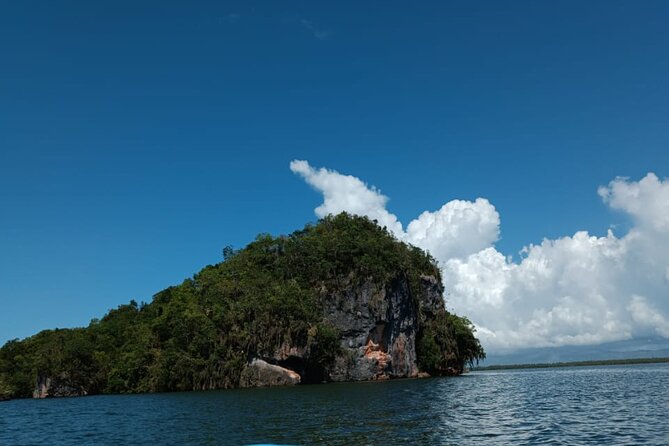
{"x": 616, "y": 405}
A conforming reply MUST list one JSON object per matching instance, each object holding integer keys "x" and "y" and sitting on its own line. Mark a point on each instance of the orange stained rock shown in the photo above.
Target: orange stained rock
{"x": 374, "y": 351}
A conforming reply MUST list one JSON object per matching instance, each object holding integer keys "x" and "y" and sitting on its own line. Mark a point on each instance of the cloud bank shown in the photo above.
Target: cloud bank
{"x": 575, "y": 290}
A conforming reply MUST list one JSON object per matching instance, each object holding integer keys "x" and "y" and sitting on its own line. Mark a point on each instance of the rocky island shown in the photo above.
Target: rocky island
{"x": 340, "y": 300}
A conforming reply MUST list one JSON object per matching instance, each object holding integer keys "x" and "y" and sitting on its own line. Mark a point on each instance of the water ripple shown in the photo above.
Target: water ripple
{"x": 621, "y": 405}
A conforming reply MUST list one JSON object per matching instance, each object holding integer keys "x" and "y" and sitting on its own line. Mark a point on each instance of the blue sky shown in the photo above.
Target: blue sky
{"x": 137, "y": 139}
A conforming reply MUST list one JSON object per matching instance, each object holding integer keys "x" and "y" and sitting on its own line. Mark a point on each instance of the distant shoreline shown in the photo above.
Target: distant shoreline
{"x": 572, "y": 364}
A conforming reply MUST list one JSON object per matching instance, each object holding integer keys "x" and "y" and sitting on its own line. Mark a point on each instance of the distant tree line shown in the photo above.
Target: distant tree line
{"x": 548, "y": 365}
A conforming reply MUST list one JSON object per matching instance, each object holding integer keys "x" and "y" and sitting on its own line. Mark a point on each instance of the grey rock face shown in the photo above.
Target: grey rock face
{"x": 378, "y": 328}
{"x": 54, "y": 387}
{"x": 259, "y": 373}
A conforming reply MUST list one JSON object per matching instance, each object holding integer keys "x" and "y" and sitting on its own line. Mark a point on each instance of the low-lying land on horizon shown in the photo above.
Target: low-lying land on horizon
{"x": 573, "y": 364}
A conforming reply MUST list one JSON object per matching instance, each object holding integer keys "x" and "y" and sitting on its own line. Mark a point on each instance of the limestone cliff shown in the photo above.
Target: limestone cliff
{"x": 378, "y": 328}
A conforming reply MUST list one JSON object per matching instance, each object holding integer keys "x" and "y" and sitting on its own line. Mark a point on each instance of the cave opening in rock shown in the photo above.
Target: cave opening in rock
{"x": 379, "y": 336}
{"x": 294, "y": 363}
{"x": 314, "y": 374}
{"x": 309, "y": 373}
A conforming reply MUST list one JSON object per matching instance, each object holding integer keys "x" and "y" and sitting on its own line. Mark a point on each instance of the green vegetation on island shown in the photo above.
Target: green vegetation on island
{"x": 201, "y": 333}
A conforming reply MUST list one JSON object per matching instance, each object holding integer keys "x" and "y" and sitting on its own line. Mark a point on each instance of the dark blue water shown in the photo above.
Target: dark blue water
{"x": 619, "y": 405}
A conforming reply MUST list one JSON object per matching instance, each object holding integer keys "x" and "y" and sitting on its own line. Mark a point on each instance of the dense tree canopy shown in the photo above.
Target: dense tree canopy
{"x": 201, "y": 333}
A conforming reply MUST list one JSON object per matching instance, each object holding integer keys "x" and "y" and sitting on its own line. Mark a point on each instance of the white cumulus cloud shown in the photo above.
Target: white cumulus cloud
{"x": 347, "y": 193}
{"x": 458, "y": 229}
{"x": 575, "y": 290}
{"x": 646, "y": 315}
{"x": 562, "y": 292}
{"x": 647, "y": 201}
